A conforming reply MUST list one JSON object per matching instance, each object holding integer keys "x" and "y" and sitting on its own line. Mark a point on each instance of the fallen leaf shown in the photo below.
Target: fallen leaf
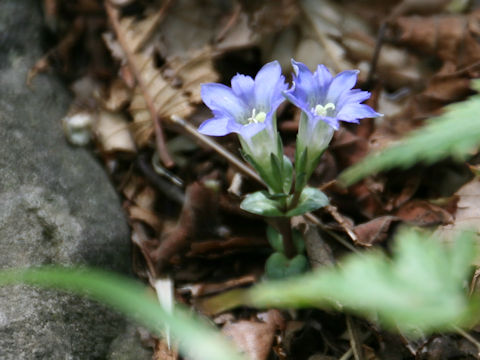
{"x": 254, "y": 337}
{"x": 113, "y": 132}
{"x": 374, "y": 231}
{"x": 423, "y": 213}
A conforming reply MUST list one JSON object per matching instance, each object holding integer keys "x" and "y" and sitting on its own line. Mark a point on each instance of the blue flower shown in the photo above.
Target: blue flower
{"x": 324, "y": 100}
{"x": 248, "y": 106}
{"x": 329, "y": 99}
{"x": 248, "y": 109}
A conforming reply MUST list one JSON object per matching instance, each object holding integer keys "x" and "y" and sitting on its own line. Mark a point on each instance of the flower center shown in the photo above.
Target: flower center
{"x": 324, "y": 110}
{"x": 257, "y": 118}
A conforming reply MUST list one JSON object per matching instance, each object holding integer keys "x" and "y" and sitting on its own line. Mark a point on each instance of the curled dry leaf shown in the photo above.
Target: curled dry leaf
{"x": 374, "y": 231}
{"x": 197, "y": 215}
{"x": 112, "y": 131}
{"x": 318, "y": 251}
{"x": 167, "y": 91}
{"x": 119, "y": 96}
{"x": 255, "y": 337}
{"x": 423, "y": 213}
{"x": 450, "y": 37}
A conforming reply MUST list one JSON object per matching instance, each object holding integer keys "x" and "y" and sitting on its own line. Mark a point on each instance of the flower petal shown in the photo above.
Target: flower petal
{"x": 243, "y": 86}
{"x": 269, "y": 84}
{"x": 305, "y": 88}
{"x": 215, "y": 127}
{"x": 353, "y": 112}
{"x": 323, "y": 78}
{"x": 340, "y": 83}
{"x": 332, "y": 121}
{"x": 352, "y": 96}
{"x": 298, "y": 101}
{"x": 250, "y": 130}
{"x": 221, "y": 98}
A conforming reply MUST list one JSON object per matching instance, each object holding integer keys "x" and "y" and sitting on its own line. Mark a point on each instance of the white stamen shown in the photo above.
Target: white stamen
{"x": 325, "y": 110}
{"x": 257, "y": 118}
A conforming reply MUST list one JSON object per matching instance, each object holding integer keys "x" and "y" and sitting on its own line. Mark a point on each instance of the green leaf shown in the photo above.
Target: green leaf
{"x": 300, "y": 169}
{"x": 277, "y": 172}
{"x": 278, "y": 266}
{"x": 455, "y": 133}
{"x": 196, "y": 339}
{"x": 287, "y": 174}
{"x": 298, "y": 241}
{"x": 421, "y": 288}
{"x": 275, "y": 239}
{"x": 310, "y": 199}
{"x": 263, "y": 171}
{"x": 260, "y": 203}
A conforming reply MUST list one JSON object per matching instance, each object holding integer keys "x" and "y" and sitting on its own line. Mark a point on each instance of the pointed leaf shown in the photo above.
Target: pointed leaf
{"x": 311, "y": 199}
{"x": 261, "y": 204}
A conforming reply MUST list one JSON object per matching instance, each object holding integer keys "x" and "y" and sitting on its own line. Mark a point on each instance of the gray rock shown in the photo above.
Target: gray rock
{"x": 128, "y": 346}
{"x": 56, "y": 207}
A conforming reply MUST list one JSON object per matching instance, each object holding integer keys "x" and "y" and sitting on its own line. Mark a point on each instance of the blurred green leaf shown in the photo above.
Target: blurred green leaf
{"x": 278, "y": 266}
{"x": 261, "y": 203}
{"x": 455, "y": 133}
{"x": 421, "y": 288}
{"x": 196, "y": 339}
{"x": 310, "y": 199}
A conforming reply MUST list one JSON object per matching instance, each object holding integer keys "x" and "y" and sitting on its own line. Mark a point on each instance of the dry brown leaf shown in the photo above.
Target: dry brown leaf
{"x": 118, "y": 97}
{"x": 254, "y": 337}
{"x": 450, "y": 37}
{"x": 374, "y": 231}
{"x": 148, "y": 217}
{"x": 154, "y": 97}
{"x": 164, "y": 352}
{"x": 195, "y": 70}
{"x": 423, "y": 213}
{"x": 112, "y": 131}
{"x": 318, "y": 251}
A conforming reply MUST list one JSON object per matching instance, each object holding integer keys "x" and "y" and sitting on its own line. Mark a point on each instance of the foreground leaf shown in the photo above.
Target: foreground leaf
{"x": 421, "y": 288}
{"x": 454, "y": 133}
{"x": 196, "y": 339}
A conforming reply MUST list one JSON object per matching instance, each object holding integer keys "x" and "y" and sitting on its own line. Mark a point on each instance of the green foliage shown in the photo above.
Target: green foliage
{"x": 278, "y": 266}
{"x": 421, "y": 288}
{"x": 455, "y": 133}
{"x": 265, "y": 204}
{"x": 310, "y": 199}
{"x": 196, "y": 339}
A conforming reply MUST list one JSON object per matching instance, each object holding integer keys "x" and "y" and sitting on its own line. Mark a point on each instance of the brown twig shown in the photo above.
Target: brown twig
{"x": 376, "y": 54}
{"x": 211, "y": 144}
{"x": 159, "y": 135}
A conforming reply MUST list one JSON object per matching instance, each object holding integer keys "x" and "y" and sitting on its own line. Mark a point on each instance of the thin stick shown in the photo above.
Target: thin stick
{"x": 469, "y": 338}
{"x": 376, "y": 53}
{"x": 209, "y": 143}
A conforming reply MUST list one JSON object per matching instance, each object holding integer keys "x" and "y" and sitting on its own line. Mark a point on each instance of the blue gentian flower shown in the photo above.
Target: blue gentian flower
{"x": 324, "y": 100}
{"x": 248, "y": 109}
{"x": 329, "y": 99}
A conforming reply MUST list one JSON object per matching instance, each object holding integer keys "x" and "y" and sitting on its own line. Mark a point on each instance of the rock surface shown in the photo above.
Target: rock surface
{"x": 56, "y": 207}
